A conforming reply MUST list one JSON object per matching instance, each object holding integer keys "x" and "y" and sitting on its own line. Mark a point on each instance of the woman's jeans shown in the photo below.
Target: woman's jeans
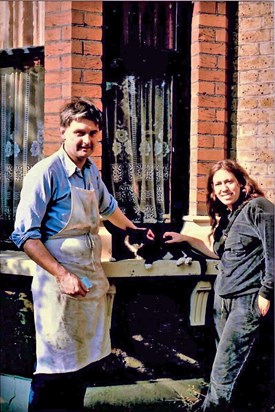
{"x": 237, "y": 323}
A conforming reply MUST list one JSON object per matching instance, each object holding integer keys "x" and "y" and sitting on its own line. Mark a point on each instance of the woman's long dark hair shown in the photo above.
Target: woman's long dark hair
{"x": 249, "y": 188}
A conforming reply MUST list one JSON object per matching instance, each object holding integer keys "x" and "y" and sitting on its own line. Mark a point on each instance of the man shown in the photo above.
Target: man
{"x": 57, "y": 224}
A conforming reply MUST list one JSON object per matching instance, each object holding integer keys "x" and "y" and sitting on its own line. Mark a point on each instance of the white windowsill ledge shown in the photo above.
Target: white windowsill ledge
{"x": 18, "y": 263}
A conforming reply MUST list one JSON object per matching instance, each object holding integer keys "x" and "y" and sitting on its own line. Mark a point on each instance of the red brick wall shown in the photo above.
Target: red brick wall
{"x": 208, "y": 96}
{"x": 73, "y": 51}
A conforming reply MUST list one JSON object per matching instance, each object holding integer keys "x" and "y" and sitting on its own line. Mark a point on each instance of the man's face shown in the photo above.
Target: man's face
{"x": 80, "y": 139}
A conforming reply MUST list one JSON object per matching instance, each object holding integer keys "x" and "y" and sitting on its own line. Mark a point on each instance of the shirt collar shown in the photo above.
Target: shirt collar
{"x": 69, "y": 165}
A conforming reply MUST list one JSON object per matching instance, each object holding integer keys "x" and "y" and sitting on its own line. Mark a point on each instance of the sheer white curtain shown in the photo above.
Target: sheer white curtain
{"x": 138, "y": 119}
{"x": 22, "y": 103}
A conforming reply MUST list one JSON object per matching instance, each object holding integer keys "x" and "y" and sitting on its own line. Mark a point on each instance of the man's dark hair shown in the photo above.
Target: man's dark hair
{"x": 78, "y": 108}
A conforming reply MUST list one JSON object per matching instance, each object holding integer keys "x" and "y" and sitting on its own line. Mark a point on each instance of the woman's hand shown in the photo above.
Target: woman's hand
{"x": 202, "y": 244}
{"x": 173, "y": 237}
{"x": 264, "y": 305}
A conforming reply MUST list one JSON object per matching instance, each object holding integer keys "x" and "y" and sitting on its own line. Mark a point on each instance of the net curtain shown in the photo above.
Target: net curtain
{"x": 22, "y": 102}
{"x": 138, "y": 132}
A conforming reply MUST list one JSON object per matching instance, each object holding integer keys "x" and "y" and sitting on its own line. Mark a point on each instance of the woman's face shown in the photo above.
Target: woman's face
{"x": 226, "y": 187}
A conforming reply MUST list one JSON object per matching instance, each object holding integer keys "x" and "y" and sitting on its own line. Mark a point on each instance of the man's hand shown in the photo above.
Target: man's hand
{"x": 71, "y": 285}
{"x": 150, "y": 235}
{"x": 140, "y": 235}
{"x": 122, "y": 222}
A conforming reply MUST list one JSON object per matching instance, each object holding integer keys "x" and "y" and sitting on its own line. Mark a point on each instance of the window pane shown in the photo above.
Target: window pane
{"x": 138, "y": 132}
{"x": 22, "y": 114}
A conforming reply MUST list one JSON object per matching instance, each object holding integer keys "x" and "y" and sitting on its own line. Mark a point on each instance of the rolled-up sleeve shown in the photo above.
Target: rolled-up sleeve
{"x": 31, "y": 208}
{"x": 107, "y": 203}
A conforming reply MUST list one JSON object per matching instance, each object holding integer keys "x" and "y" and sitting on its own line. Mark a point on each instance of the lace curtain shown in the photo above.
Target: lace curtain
{"x": 138, "y": 132}
{"x": 22, "y": 102}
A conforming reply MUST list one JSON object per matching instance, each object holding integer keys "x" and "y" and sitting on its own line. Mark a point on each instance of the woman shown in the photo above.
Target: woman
{"x": 242, "y": 222}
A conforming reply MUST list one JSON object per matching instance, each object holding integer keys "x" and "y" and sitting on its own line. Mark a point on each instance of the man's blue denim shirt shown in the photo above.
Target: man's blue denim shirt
{"x": 45, "y": 202}
{"x": 247, "y": 256}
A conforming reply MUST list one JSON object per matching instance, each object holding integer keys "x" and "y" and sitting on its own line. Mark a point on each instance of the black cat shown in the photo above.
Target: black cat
{"x": 133, "y": 243}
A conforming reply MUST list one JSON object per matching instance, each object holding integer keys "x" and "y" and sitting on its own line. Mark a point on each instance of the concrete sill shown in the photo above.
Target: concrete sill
{"x": 18, "y": 263}
{"x": 159, "y": 395}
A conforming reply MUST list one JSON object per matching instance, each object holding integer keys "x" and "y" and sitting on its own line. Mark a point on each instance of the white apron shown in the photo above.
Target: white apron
{"x": 72, "y": 332}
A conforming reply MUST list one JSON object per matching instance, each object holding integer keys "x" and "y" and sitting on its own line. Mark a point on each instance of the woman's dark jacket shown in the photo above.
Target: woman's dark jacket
{"x": 247, "y": 253}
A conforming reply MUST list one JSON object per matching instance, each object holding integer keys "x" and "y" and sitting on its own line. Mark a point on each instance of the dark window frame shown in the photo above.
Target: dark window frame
{"x": 118, "y": 60}
{"x": 18, "y": 58}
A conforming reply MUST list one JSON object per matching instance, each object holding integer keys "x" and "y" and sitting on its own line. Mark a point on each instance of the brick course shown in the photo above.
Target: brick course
{"x": 255, "y": 92}
{"x": 208, "y": 96}
{"x": 73, "y": 50}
